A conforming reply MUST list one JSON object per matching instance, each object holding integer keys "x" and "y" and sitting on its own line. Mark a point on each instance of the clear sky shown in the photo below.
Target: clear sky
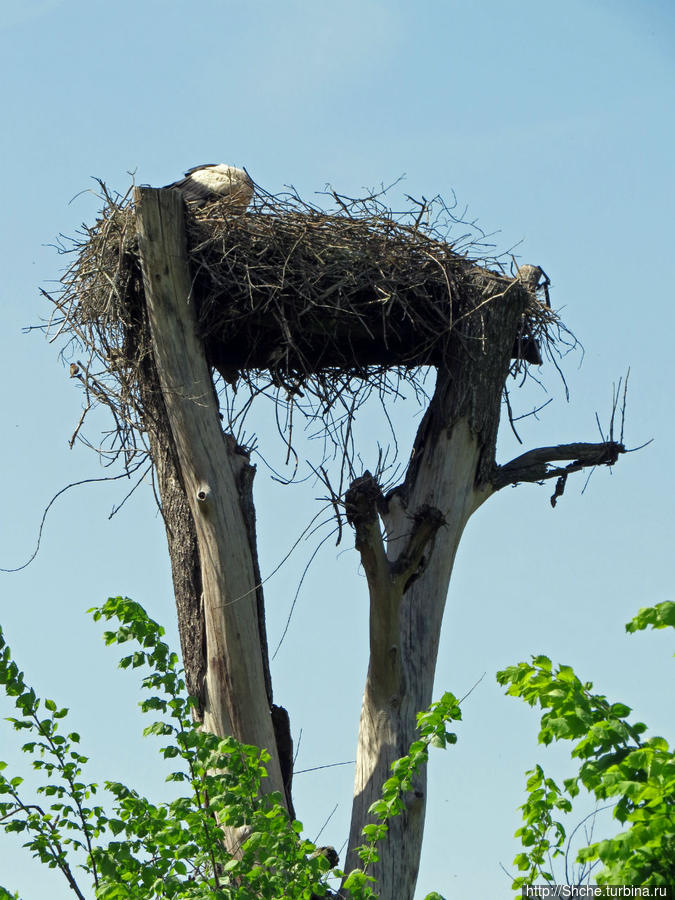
{"x": 554, "y": 124}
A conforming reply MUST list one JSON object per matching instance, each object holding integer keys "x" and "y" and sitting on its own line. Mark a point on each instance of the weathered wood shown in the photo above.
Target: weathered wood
{"x": 178, "y": 523}
{"x": 538, "y": 464}
{"x": 180, "y": 534}
{"x": 235, "y": 696}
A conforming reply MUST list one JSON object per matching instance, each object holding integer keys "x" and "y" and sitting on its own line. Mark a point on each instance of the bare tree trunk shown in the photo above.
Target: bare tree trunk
{"x": 216, "y": 478}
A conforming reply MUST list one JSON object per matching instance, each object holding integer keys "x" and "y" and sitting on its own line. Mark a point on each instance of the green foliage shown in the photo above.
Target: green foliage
{"x": 5, "y": 895}
{"x": 660, "y": 616}
{"x": 541, "y": 833}
{"x": 616, "y": 763}
{"x": 69, "y": 822}
{"x": 145, "y": 851}
{"x": 175, "y": 850}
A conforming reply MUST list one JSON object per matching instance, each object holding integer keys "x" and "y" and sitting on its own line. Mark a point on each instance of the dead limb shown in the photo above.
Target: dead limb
{"x": 539, "y": 464}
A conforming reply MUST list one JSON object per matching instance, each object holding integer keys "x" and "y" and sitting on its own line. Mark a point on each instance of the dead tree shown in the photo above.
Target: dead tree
{"x": 316, "y": 304}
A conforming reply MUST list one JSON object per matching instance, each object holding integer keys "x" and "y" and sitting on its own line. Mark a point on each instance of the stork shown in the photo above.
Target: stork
{"x": 204, "y": 184}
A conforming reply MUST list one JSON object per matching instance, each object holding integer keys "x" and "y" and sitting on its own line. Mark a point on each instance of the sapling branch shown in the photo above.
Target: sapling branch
{"x": 52, "y": 845}
{"x": 75, "y": 790}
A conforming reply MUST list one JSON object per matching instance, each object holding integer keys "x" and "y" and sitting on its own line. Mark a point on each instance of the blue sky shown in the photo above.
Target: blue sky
{"x": 554, "y": 124}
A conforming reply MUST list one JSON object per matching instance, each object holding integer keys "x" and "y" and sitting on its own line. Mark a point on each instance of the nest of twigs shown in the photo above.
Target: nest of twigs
{"x": 315, "y": 308}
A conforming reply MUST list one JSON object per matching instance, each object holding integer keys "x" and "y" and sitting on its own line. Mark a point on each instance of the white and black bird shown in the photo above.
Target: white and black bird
{"x": 204, "y": 184}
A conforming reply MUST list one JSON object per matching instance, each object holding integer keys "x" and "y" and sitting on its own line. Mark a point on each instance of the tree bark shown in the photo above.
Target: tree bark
{"x": 216, "y": 479}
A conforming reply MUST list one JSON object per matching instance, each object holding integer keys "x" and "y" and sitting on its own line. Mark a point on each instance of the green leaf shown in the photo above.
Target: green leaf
{"x": 662, "y": 615}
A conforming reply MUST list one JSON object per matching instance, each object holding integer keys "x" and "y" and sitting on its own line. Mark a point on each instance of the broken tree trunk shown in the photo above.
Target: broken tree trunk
{"x": 216, "y": 479}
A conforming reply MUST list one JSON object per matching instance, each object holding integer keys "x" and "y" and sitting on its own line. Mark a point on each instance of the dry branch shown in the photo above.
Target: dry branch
{"x": 536, "y": 465}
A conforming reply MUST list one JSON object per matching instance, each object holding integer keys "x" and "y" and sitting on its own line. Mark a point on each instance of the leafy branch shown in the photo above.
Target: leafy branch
{"x": 616, "y": 762}
{"x": 52, "y": 833}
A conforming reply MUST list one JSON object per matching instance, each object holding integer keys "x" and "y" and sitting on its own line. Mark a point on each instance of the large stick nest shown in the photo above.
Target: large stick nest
{"x": 317, "y": 309}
